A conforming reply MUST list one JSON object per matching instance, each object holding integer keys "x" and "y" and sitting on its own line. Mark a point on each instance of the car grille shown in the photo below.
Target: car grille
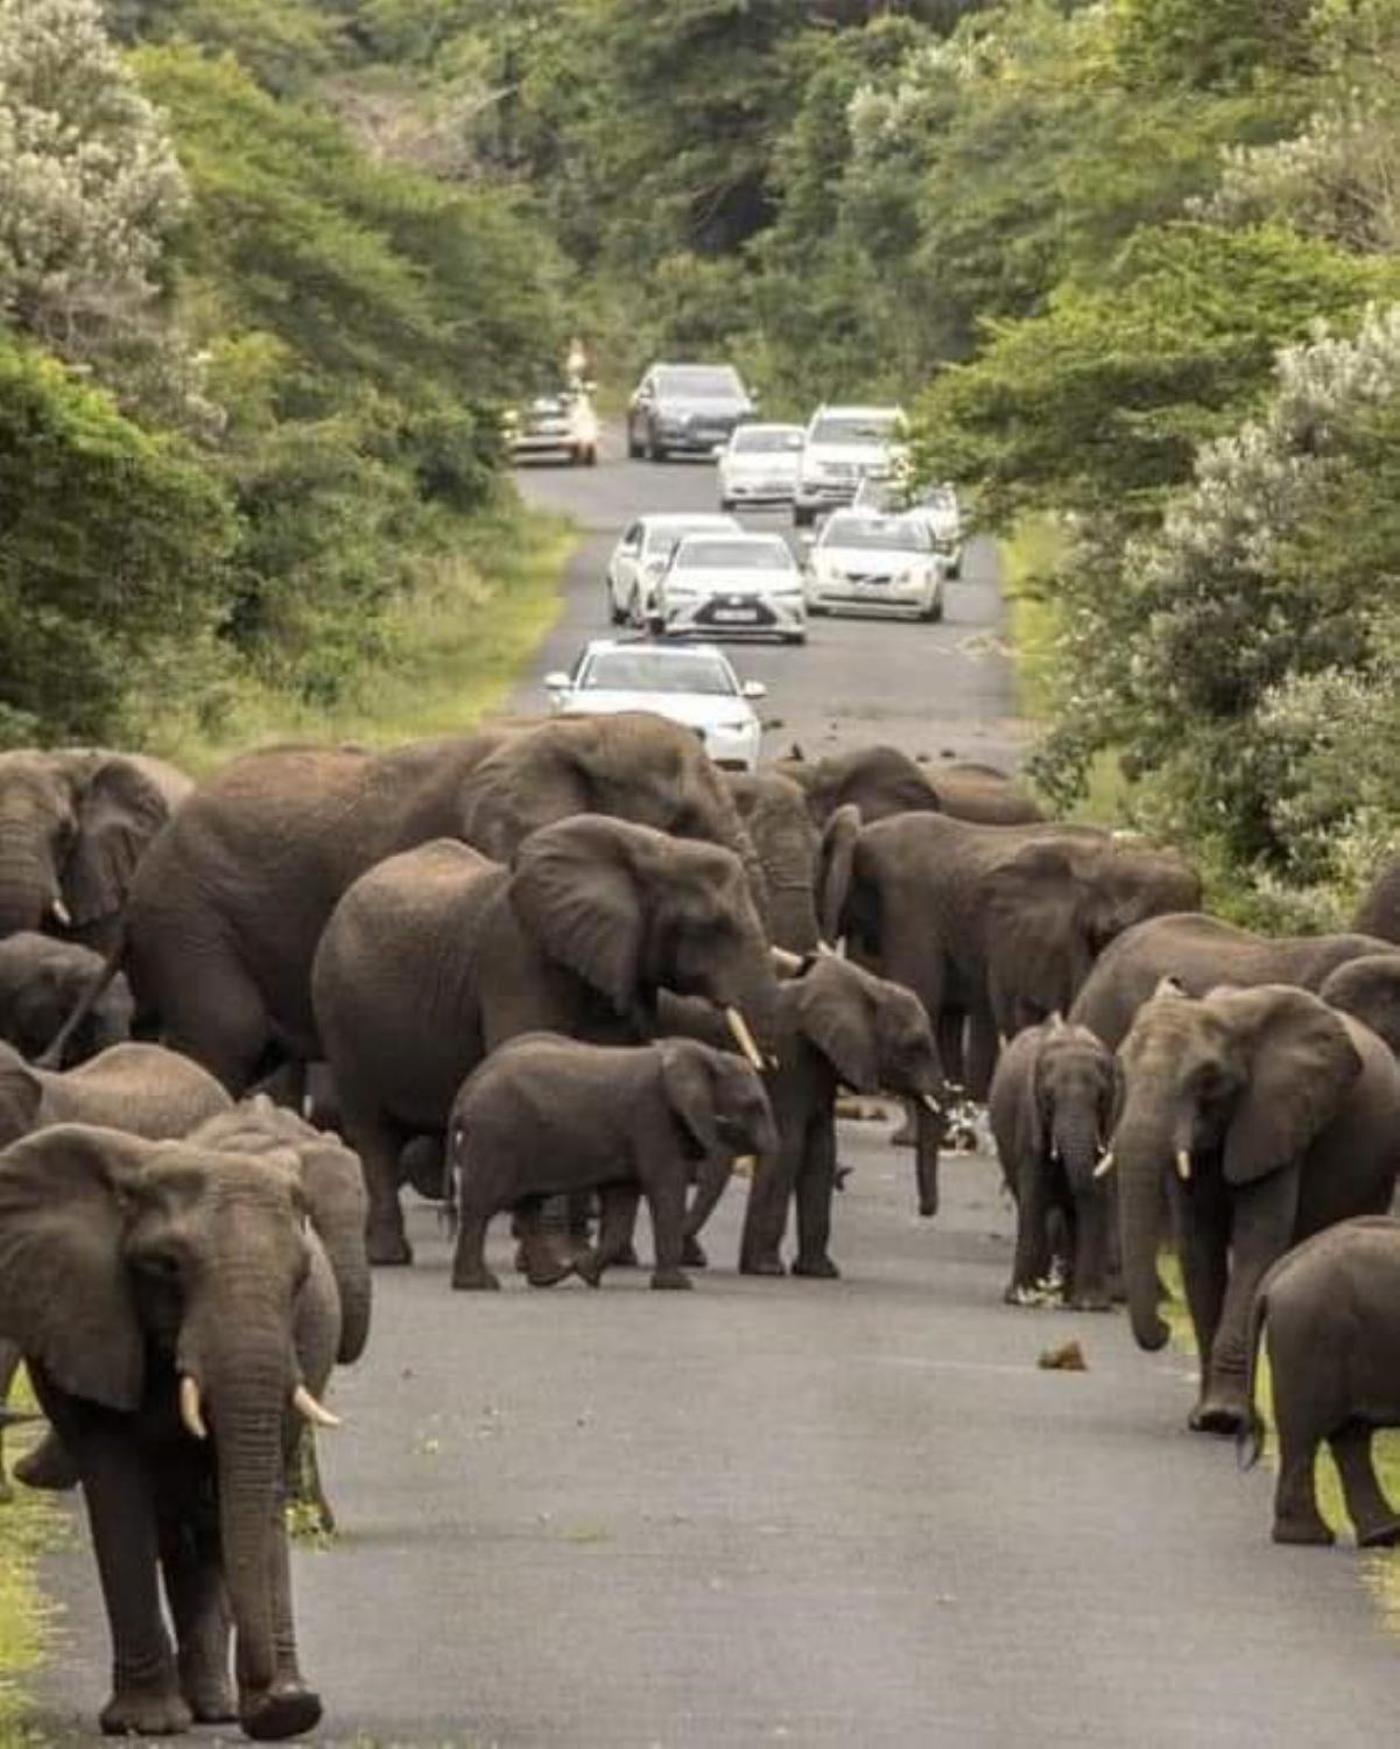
{"x": 860, "y": 578}
{"x": 735, "y": 610}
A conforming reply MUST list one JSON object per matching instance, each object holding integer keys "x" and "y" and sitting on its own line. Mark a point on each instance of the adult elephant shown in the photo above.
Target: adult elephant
{"x": 226, "y": 912}
{"x": 438, "y": 955}
{"x": 787, "y": 844}
{"x": 1269, "y": 1116}
{"x": 176, "y": 1311}
{"x": 880, "y": 781}
{"x": 1380, "y": 909}
{"x": 1368, "y": 989}
{"x": 1197, "y": 952}
{"x": 42, "y": 981}
{"x": 74, "y": 825}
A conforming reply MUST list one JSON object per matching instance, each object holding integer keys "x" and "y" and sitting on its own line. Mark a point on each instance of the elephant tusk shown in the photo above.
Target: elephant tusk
{"x": 190, "y": 1411}
{"x": 61, "y": 914}
{"x": 744, "y": 1039}
{"x": 827, "y": 951}
{"x": 1105, "y": 1166}
{"x": 316, "y": 1413}
{"x": 931, "y": 1104}
{"x": 785, "y": 961}
{"x": 1183, "y": 1165}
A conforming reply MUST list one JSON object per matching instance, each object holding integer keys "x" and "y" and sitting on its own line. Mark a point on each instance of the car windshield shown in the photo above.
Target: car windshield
{"x": 664, "y": 541}
{"x": 657, "y": 671}
{"x": 700, "y": 382}
{"x": 749, "y": 440}
{"x": 887, "y": 533}
{"x": 734, "y": 555}
{"x": 855, "y": 428}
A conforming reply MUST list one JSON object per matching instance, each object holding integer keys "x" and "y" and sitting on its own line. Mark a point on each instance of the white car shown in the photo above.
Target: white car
{"x": 689, "y": 683}
{"x": 937, "y": 505}
{"x": 877, "y": 564}
{"x": 842, "y": 446}
{"x": 642, "y": 553}
{"x": 745, "y": 585}
{"x": 563, "y": 425}
{"x": 759, "y": 465}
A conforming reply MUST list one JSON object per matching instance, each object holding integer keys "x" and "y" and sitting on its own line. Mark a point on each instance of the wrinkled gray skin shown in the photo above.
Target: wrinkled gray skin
{"x": 1051, "y": 1109}
{"x": 1331, "y": 1308}
{"x": 126, "y": 1265}
{"x": 439, "y": 955}
{"x": 141, "y": 1089}
{"x": 881, "y": 781}
{"x": 225, "y": 915}
{"x": 1197, "y": 952}
{"x": 1380, "y": 909}
{"x": 787, "y": 844}
{"x": 74, "y": 826}
{"x": 549, "y": 1116}
{"x": 1369, "y": 990}
{"x": 994, "y": 928}
{"x": 42, "y": 980}
{"x": 1290, "y": 1115}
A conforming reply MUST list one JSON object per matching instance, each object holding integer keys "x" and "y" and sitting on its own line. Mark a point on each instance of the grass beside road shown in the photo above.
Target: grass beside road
{"x": 454, "y": 649}
{"x": 29, "y": 1526}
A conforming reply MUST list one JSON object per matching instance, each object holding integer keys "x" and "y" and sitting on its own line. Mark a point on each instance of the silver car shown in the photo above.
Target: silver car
{"x": 642, "y": 553}
{"x": 759, "y": 465}
{"x": 876, "y": 564}
{"x": 732, "y": 585}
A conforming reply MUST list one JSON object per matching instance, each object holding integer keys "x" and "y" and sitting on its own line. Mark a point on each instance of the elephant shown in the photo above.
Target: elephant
{"x": 1369, "y": 990}
{"x": 139, "y": 1088}
{"x": 225, "y": 915}
{"x": 1331, "y": 1309}
{"x": 75, "y": 824}
{"x": 42, "y": 981}
{"x": 774, "y": 812}
{"x": 1269, "y": 1116}
{"x": 545, "y": 1115}
{"x": 439, "y": 955}
{"x": 1379, "y": 913}
{"x": 1051, "y": 1108}
{"x": 1197, "y": 952}
{"x": 881, "y": 781}
{"x": 178, "y": 1316}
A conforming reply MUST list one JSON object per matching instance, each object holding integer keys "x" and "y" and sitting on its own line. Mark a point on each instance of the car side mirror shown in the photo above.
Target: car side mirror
{"x": 754, "y": 689}
{"x": 557, "y": 682}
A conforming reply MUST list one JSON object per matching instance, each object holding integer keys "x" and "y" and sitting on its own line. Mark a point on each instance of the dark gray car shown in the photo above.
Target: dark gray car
{"x": 686, "y": 409}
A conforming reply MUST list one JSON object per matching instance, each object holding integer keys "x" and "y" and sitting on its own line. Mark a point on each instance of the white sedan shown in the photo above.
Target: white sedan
{"x": 759, "y": 465}
{"x": 732, "y": 585}
{"x": 641, "y": 555}
{"x": 875, "y": 564}
{"x": 689, "y": 683}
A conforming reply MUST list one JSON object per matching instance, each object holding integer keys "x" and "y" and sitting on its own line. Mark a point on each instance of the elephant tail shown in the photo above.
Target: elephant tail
{"x": 52, "y": 1058}
{"x": 1249, "y": 1442}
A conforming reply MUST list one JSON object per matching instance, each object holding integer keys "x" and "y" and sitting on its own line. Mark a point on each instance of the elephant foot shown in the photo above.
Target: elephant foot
{"x": 388, "y": 1250}
{"x": 928, "y": 1207}
{"x": 817, "y": 1268}
{"x": 1383, "y": 1535}
{"x": 765, "y": 1263}
{"x": 48, "y": 1467}
{"x": 1219, "y": 1415}
{"x": 671, "y": 1279}
{"x": 1303, "y": 1533}
{"x": 1087, "y": 1302}
{"x": 146, "y": 1712}
{"x": 693, "y": 1254}
{"x": 589, "y": 1268}
{"x": 475, "y": 1281}
{"x": 549, "y": 1271}
{"x": 212, "y": 1706}
{"x": 626, "y": 1257}
{"x": 285, "y": 1712}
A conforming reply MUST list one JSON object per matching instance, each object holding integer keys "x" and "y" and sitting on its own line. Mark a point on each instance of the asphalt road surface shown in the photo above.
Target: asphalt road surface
{"x": 851, "y": 1513}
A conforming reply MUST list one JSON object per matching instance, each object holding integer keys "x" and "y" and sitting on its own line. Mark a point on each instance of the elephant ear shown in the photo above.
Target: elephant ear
{"x": 690, "y": 1093}
{"x": 837, "y": 1015}
{"x": 119, "y": 812}
{"x": 530, "y": 781}
{"x": 1019, "y": 1111}
{"x": 1032, "y": 906}
{"x": 21, "y": 1095}
{"x": 574, "y": 892}
{"x": 835, "y": 868}
{"x": 65, "y": 1293}
{"x": 1302, "y": 1065}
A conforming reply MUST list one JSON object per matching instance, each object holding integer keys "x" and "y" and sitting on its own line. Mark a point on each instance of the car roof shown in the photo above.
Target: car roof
{"x": 690, "y": 519}
{"x": 744, "y": 537}
{"x": 882, "y": 518}
{"x": 767, "y": 425}
{"x": 849, "y": 410}
{"x": 601, "y": 646}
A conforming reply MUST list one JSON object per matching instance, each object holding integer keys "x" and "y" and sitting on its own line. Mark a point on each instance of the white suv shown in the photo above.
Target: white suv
{"x": 845, "y": 445}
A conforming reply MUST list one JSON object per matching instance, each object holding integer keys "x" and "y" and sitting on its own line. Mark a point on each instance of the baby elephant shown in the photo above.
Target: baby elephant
{"x": 545, "y": 1115}
{"x": 1051, "y": 1108}
{"x": 1331, "y": 1308}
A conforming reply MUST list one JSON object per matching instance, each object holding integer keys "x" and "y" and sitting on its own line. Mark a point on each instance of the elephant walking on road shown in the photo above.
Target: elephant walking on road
{"x": 1269, "y": 1116}
{"x": 548, "y": 1116}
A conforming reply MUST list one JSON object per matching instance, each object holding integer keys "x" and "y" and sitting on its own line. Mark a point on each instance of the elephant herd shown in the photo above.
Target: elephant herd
{"x": 558, "y": 967}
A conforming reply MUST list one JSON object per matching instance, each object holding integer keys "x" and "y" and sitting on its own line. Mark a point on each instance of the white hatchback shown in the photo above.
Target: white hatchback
{"x": 692, "y": 684}
{"x": 732, "y": 585}
{"x": 875, "y": 564}
{"x": 759, "y": 465}
{"x": 641, "y": 555}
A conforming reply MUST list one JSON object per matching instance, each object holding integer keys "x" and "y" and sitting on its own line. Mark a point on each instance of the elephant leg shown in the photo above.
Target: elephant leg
{"x": 951, "y": 1033}
{"x": 665, "y": 1193}
{"x": 1377, "y": 1523}
{"x": 547, "y": 1258}
{"x": 816, "y": 1184}
{"x": 1201, "y": 1216}
{"x": 765, "y": 1217}
{"x": 379, "y": 1142}
{"x": 1296, "y": 1515}
{"x": 983, "y": 1048}
{"x": 1261, "y": 1231}
{"x": 49, "y": 1466}
{"x": 215, "y": 1013}
{"x": 474, "y": 1212}
{"x": 1031, "y": 1263}
{"x": 615, "y": 1227}
{"x": 192, "y": 1566}
{"x": 1088, "y": 1290}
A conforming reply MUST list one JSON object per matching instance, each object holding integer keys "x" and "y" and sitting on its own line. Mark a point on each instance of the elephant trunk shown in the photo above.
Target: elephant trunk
{"x": 1141, "y": 1149}
{"x": 1074, "y": 1136}
{"x": 928, "y": 1139}
{"x": 343, "y": 1238}
{"x": 28, "y": 886}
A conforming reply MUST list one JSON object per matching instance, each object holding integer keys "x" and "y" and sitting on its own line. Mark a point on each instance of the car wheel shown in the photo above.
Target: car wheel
{"x": 794, "y": 637}
{"x": 726, "y": 505}
{"x": 634, "y": 617}
{"x": 590, "y": 456}
{"x": 655, "y": 452}
{"x": 615, "y": 613}
{"x": 932, "y": 613}
{"x": 634, "y": 449}
{"x": 802, "y": 517}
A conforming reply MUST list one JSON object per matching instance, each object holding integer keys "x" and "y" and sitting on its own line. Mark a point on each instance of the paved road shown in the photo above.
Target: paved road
{"x": 848, "y": 1513}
